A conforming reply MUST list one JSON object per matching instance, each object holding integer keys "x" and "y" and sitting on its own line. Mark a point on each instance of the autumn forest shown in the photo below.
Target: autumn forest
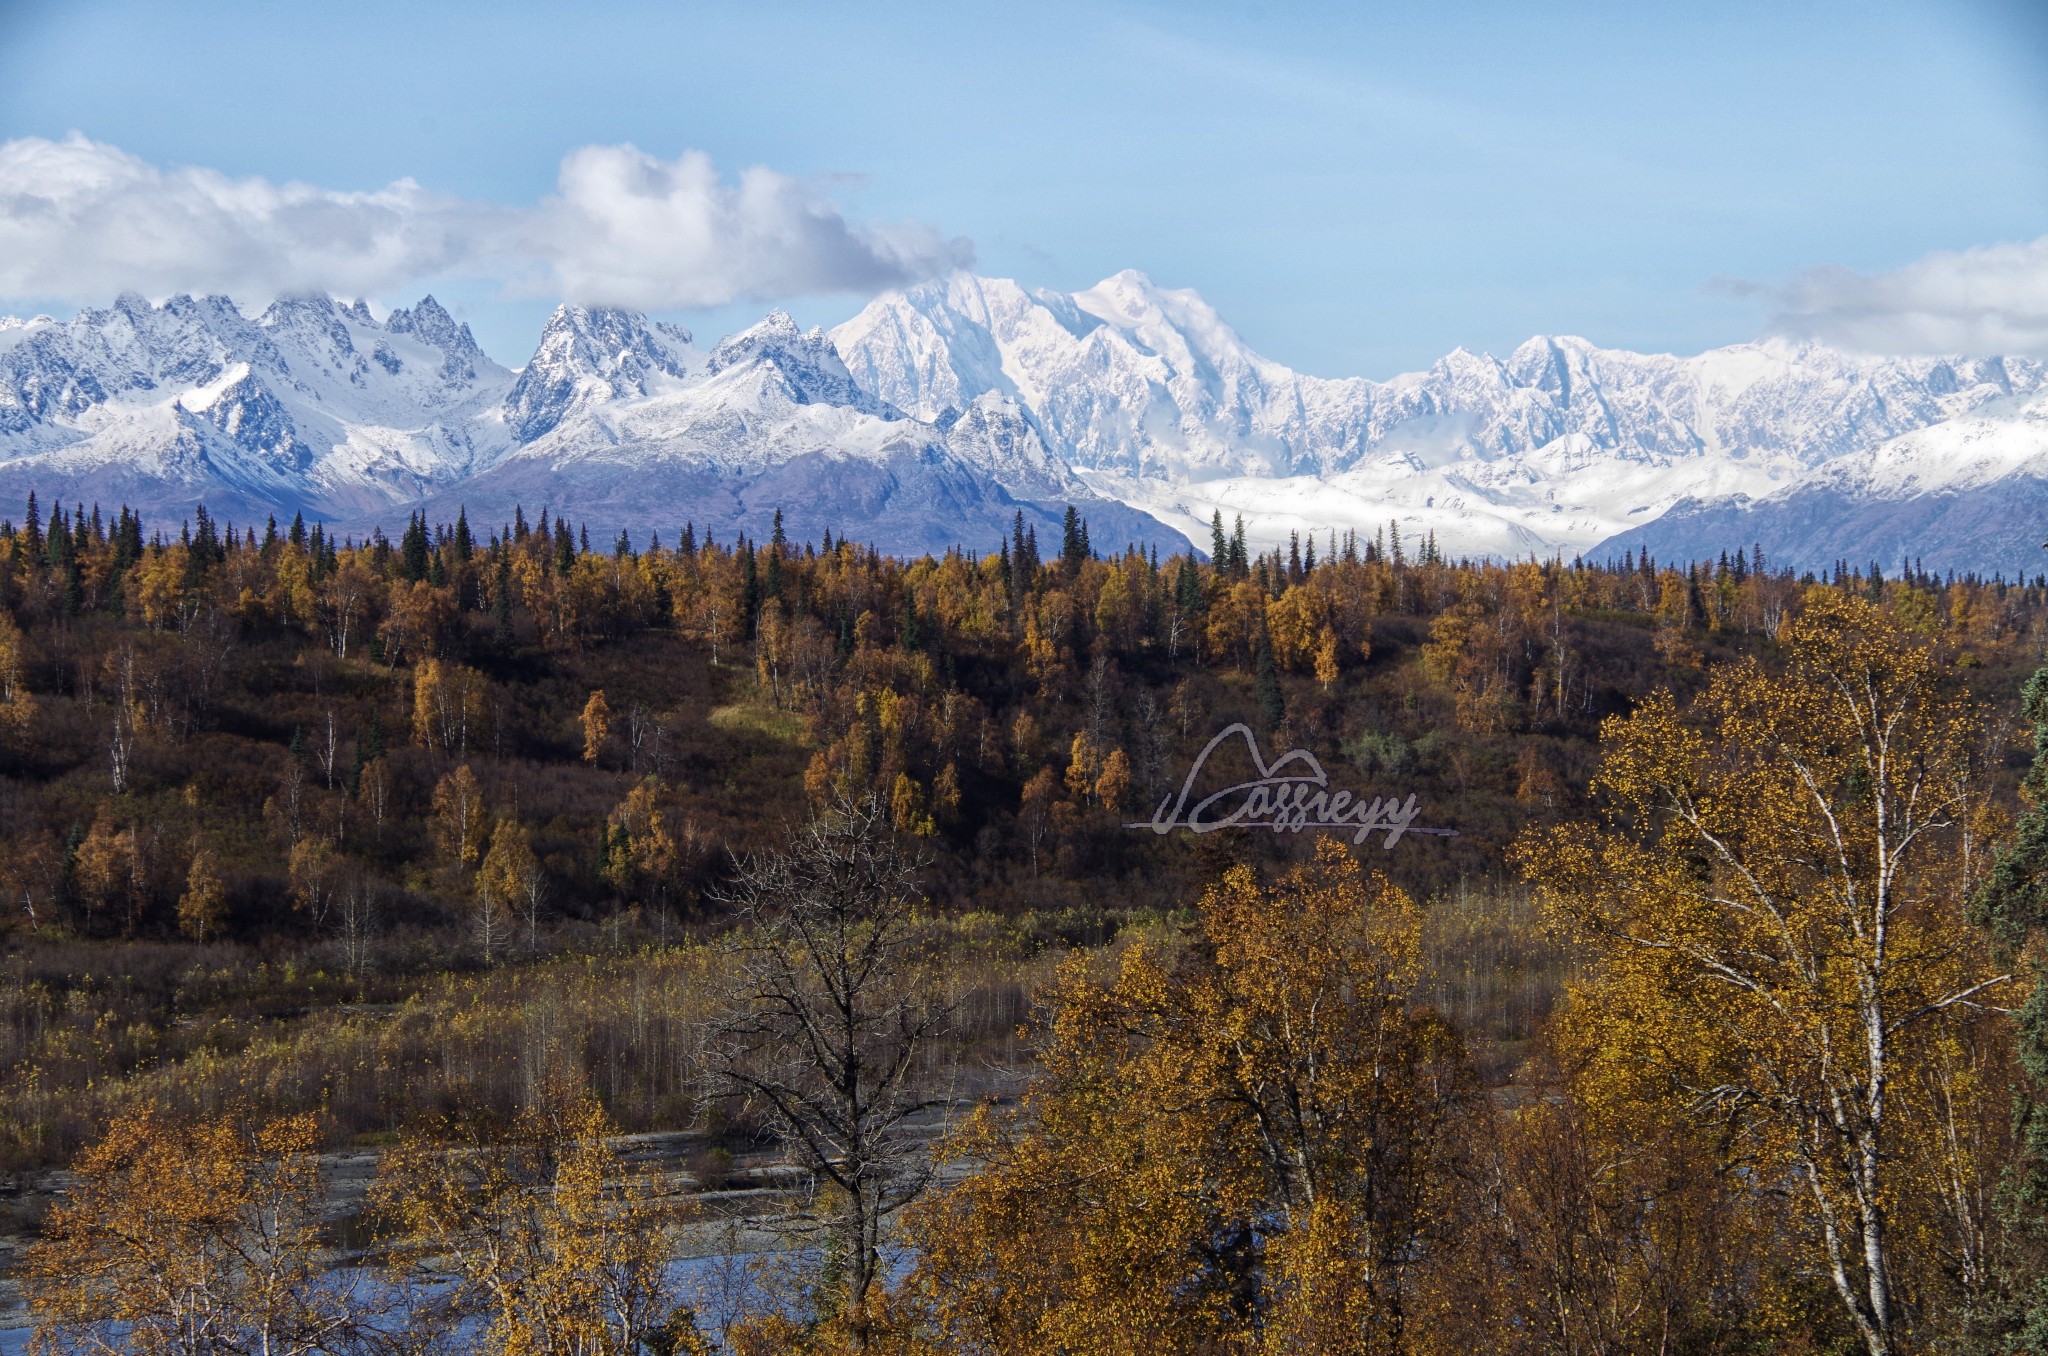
{"x": 498, "y": 940}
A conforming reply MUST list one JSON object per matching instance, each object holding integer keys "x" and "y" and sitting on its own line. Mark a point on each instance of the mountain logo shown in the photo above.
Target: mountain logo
{"x": 1287, "y": 795}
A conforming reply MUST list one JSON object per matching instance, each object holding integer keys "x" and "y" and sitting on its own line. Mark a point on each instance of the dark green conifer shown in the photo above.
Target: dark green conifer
{"x": 1272, "y": 703}
{"x": 2012, "y": 905}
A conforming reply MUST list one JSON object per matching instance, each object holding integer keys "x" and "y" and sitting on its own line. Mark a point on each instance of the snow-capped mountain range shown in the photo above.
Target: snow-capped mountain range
{"x": 939, "y": 412}
{"x": 319, "y": 407}
{"x": 1559, "y": 446}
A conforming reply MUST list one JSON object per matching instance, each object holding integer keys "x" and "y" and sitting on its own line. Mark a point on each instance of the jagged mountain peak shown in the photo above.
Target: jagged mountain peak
{"x": 999, "y": 435}
{"x": 429, "y": 322}
{"x": 313, "y": 319}
{"x": 805, "y": 365}
{"x": 590, "y": 355}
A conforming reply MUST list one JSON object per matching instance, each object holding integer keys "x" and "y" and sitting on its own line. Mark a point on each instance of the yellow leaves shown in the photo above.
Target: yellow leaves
{"x": 373, "y": 788}
{"x": 311, "y": 867}
{"x": 157, "y": 586}
{"x": 1084, "y": 767}
{"x": 343, "y": 600}
{"x": 1116, "y": 609}
{"x": 1326, "y": 658}
{"x": 1025, "y": 738}
{"x": 946, "y": 793}
{"x": 1284, "y": 1089}
{"x": 907, "y": 809}
{"x": 1776, "y": 904}
{"x": 508, "y": 871}
{"x": 459, "y": 822}
{"x": 1236, "y": 618}
{"x": 17, "y": 703}
{"x": 1324, "y": 924}
{"x": 541, "y": 1228}
{"x": 290, "y": 597}
{"x": 640, "y": 850}
{"x": 1043, "y": 657}
{"x": 450, "y": 706}
{"x": 1325, "y": 1303}
{"x": 202, "y": 908}
{"x": 597, "y": 726}
{"x": 1446, "y": 645}
{"x": 1467, "y": 654}
{"x": 111, "y": 866}
{"x": 1296, "y": 621}
{"x": 419, "y": 614}
{"x": 172, "y": 1228}
{"x": 1114, "y": 785}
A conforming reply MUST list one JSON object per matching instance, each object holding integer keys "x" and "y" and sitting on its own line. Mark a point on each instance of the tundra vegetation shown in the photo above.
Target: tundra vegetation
{"x": 502, "y": 862}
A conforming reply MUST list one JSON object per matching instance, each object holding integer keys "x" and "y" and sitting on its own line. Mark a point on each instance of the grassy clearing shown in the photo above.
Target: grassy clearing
{"x": 784, "y": 727}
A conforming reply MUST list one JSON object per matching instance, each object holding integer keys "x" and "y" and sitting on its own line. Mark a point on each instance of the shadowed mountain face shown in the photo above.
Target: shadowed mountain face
{"x": 1969, "y": 494}
{"x": 938, "y": 413}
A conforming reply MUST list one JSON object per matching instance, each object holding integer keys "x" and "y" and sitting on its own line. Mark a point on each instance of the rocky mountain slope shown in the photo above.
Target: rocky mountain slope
{"x": 1967, "y": 494}
{"x": 938, "y": 413}
{"x": 1558, "y": 446}
{"x": 318, "y": 407}
{"x": 312, "y": 405}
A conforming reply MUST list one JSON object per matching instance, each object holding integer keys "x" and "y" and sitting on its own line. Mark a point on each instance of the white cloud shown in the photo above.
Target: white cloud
{"x": 81, "y": 220}
{"x": 1986, "y": 300}
{"x": 625, "y": 227}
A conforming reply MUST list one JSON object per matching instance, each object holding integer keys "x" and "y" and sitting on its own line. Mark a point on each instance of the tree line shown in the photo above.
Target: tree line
{"x": 1768, "y": 818}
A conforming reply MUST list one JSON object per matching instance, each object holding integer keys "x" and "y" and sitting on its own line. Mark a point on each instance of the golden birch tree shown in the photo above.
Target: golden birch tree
{"x": 1777, "y": 902}
{"x": 191, "y": 1239}
{"x": 1239, "y": 1144}
{"x": 546, "y": 1240}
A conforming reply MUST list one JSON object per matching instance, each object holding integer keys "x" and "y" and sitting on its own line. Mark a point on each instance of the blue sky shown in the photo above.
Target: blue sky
{"x": 1357, "y": 188}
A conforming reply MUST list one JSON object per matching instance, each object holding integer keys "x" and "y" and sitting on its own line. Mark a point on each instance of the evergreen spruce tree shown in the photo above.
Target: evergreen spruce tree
{"x": 2012, "y": 905}
{"x": 501, "y": 602}
{"x": 1272, "y": 703}
{"x": 750, "y": 583}
{"x": 1187, "y": 588}
{"x": 565, "y": 547}
{"x": 412, "y": 549}
{"x": 57, "y": 543}
{"x": 1073, "y": 546}
{"x": 910, "y": 634}
{"x": 1219, "y": 545}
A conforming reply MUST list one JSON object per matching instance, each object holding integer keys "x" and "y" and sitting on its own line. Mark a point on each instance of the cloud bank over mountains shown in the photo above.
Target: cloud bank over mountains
{"x": 1990, "y": 299}
{"x": 81, "y": 220}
